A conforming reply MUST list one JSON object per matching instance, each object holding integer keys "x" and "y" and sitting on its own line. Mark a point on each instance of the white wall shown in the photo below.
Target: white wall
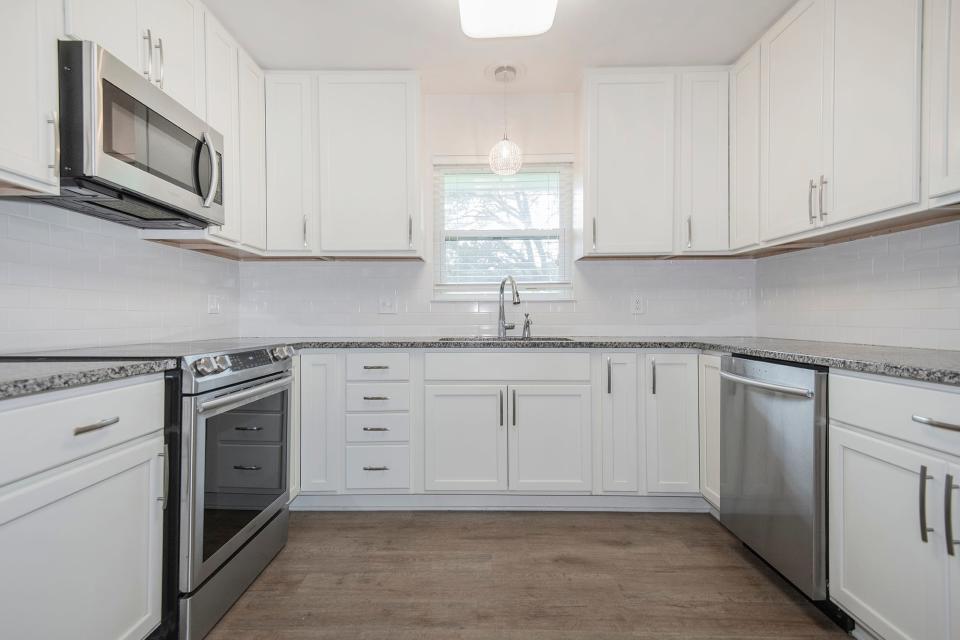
{"x": 70, "y": 280}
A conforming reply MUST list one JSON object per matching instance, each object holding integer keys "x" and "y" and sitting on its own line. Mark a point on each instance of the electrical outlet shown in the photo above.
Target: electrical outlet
{"x": 638, "y": 306}
{"x": 213, "y": 304}
{"x": 387, "y": 305}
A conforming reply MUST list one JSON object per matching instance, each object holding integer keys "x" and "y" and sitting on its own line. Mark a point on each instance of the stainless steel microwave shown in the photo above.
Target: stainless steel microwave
{"x": 130, "y": 153}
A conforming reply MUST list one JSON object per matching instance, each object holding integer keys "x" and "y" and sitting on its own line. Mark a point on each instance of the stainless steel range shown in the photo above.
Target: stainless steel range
{"x": 233, "y": 485}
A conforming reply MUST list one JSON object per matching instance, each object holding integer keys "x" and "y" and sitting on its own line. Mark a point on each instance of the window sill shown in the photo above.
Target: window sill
{"x": 560, "y": 293}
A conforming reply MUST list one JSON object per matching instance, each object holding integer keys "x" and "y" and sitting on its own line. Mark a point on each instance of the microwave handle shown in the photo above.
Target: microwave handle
{"x": 214, "y": 170}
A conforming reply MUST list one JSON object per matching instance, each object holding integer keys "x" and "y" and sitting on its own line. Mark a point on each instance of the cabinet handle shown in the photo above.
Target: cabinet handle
{"x": 594, "y": 234}
{"x": 376, "y": 429}
{"x": 305, "y": 232}
{"x": 514, "y": 407}
{"x": 501, "y": 407}
{"x": 166, "y": 474}
{"x": 148, "y": 36}
{"x": 248, "y": 428}
{"x": 410, "y": 231}
{"x": 609, "y": 376}
{"x": 948, "y": 514}
{"x": 246, "y": 467}
{"x": 376, "y": 397}
{"x": 689, "y": 232}
{"x": 375, "y": 367}
{"x": 96, "y": 426}
{"x": 813, "y": 186}
{"x": 159, "y": 48}
{"x": 930, "y": 422}
{"x": 924, "y": 529}
{"x": 376, "y": 468}
{"x": 54, "y": 123}
{"x": 653, "y": 376}
{"x": 823, "y": 183}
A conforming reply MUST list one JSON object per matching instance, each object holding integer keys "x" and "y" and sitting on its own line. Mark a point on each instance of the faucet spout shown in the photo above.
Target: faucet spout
{"x": 502, "y": 325}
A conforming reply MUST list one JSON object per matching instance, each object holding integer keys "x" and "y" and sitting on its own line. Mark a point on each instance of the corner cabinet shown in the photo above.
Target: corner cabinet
{"x": 29, "y": 31}
{"x": 672, "y": 424}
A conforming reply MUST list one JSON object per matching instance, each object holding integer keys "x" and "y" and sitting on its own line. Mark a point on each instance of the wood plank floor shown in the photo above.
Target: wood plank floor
{"x": 512, "y": 576}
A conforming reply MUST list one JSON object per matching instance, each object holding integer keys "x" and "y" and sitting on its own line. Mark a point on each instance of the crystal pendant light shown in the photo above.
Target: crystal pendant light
{"x": 505, "y": 157}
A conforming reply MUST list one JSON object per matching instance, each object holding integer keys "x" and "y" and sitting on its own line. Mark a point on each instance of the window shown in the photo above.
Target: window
{"x": 489, "y": 226}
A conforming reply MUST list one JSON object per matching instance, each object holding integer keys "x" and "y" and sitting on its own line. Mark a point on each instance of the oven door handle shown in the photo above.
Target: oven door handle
{"x": 246, "y": 394}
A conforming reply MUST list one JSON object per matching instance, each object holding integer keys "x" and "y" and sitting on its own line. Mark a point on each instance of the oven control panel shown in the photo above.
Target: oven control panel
{"x": 250, "y": 359}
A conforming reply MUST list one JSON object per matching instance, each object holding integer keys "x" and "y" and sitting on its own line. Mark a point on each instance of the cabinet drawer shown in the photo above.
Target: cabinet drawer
{"x": 43, "y": 436}
{"x": 889, "y": 408}
{"x": 378, "y": 366}
{"x": 247, "y": 427}
{"x": 378, "y": 467}
{"x": 246, "y": 466}
{"x": 378, "y": 427}
{"x": 507, "y": 366}
{"x": 373, "y": 396}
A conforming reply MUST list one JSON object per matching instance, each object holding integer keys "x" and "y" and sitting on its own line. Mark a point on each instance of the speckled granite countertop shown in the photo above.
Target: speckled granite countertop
{"x": 26, "y": 378}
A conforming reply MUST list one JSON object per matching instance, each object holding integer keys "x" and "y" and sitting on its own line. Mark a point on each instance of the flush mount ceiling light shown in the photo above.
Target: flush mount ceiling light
{"x": 505, "y": 157}
{"x": 506, "y": 18}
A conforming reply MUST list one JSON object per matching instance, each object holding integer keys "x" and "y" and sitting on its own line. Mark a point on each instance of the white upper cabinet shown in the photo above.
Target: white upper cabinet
{"x": 630, "y": 162}
{"x": 291, "y": 163}
{"x": 253, "y": 180}
{"x": 875, "y": 166}
{"x": 368, "y": 133}
{"x": 745, "y": 150}
{"x": 704, "y": 161}
{"x": 113, "y": 24}
{"x": 795, "y": 96}
{"x": 672, "y": 424}
{"x": 943, "y": 98}
{"x": 28, "y": 109}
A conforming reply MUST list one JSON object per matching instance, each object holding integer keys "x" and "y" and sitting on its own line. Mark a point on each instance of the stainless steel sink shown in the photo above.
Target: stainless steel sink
{"x": 507, "y": 339}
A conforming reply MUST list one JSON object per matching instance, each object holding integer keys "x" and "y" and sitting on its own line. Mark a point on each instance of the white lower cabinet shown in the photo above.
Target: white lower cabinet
{"x": 378, "y": 467}
{"x": 549, "y": 443}
{"x": 81, "y": 547}
{"x": 710, "y": 429}
{"x": 620, "y": 426}
{"x": 321, "y": 422}
{"x": 465, "y": 446}
{"x": 672, "y": 424}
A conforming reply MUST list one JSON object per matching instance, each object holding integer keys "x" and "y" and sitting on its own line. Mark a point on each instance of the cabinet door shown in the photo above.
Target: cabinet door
{"x": 704, "y": 161}
{"x": 710, "y": 429}
{"x": 549, "y": 438}
{"x": 672, "y": 424}
{"x": 368, "y": 141}
{"x": 222, "y": 99}
{"x": 291, "y": 162}
{"x": 465, "y": 438}
{"x": 943, "y": 68}
{"x": 621, "y": 427}
{"x": 28, "y": 110}
{"x": 630, "y": 163}
{"x": 114, "y": 25}
{"x": 881, "y": 570}
{"x": 253, "y": 179}
{"x": 177, "y": 27}
{"x": 876, "y": 109}
{"x": 795, "y": 57}
{"x": 321, "y": 422}
{"x": 953, "y": 561}
{"x": 81, "y": 547}
{"x": 745, "y": 150}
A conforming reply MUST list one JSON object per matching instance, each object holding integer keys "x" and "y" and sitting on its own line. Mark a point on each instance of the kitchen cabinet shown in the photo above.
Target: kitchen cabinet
{"x": 942, "y": 48}
{"x": 549, "y": 441}
{"x": 28, "y": 112}
{"x": 704, "y": 161}
{"x": 465, "y": 447}
{"x": 710, "y": 429}
{"x": 745, "y": 150}
{"x": 629, "y": 195}
{"x": 114, "y": 25}
{"x": 952, "y": 489}
{"x": 620, "y": 422}
{"x": 292, "y": 188}
{"x": 672, "y": 424}
{"x": 321, "y": 422}
{"x": 368, "y": 134}
{"x": 222, "y": 115}
{"x": 795, "y": 109}
{"x": 252, "y": 183}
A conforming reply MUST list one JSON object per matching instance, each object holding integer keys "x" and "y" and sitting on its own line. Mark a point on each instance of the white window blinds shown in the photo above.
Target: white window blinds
{"x": 489, "y": 226}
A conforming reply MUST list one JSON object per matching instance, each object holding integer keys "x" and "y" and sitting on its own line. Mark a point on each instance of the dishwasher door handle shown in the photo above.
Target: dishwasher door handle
{"x": 769, "y": 386}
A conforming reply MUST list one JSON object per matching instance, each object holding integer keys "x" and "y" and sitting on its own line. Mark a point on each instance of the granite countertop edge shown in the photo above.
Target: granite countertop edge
{"x": 55, "y": 376}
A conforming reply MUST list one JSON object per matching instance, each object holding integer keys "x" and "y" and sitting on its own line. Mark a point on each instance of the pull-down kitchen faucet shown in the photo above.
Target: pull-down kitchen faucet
{"x": 502, "y": 326}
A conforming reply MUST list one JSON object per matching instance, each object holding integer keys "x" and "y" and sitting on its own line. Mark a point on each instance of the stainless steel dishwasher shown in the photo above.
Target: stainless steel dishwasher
{"x": 773, "y": 465}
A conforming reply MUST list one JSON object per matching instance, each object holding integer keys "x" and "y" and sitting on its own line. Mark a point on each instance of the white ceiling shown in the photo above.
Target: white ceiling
{"x": 425, "y": 35}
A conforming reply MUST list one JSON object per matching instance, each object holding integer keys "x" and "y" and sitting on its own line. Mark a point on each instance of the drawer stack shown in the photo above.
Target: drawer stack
{"x": 378, "y": 421}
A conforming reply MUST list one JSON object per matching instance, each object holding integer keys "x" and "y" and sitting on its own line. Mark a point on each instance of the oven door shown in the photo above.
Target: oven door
{"x": 235, "y": 449}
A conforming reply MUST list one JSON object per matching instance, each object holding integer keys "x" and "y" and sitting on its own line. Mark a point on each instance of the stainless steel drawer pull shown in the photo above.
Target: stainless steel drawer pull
{"x": 96, "y": 426}
{"x": 769, "y": 386}
{"x": 376, "y": 397}
{"x": 247, "y": 467}
{"x": 501, "y": 407}
{"x": 376, "y": 367}
{"x": 376, "y": 429}
{"x": 811, "y": 188}
{"x": 376, "y": 468}
{"x": 930, "y": 422}
{"x": 653, "y": 375}
{"x": 514, "y": 407}
{"x": 248, "y": 428}
{"x": 609, "y": 376}
{"x": 924, "y": 529}
{"x": 948, "y": 514}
